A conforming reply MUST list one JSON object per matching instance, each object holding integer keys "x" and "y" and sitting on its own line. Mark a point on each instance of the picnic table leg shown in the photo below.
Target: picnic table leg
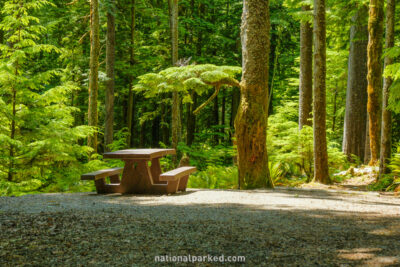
{"x": 100, "y": 186}
{"x": 115, "y": 179}
{"x": 183, "y": 183}
{"x": 156, "y": 171}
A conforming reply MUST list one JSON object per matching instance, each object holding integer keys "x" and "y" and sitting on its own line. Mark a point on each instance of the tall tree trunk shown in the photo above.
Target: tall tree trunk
{"x": 306, "y": 67}
{"x": 191, "y": 120}
{"x": 94, "y": 70}
{"x": 131, "y": 100}
{"x": 176, "y": 121}
{"x": 386, "y": 138}
{"x": 234, "y": 106}
{"x": 12, "y": 132}
{"x": 251, "y": 120}
{"x": 367, "y": 155}
{"x": 354, "y": 133}
{"x": 335, "y": 94}
{"x": 215, "y": 119}
{"x": 375, "y": 29}
{"x": 110, "y": 83}
{"x": 321, "y": 171}
{"x": 223, "y": 110}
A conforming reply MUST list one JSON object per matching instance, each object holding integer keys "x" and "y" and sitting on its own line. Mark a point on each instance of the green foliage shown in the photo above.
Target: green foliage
{"x": 186, "y": 79}
{"x": 203, "y": 155}
{"x": 215, "y": 177}
{"x": 293, "y": 149}
{"x": 39, "y": 141}
{"x": 393, "y": 71}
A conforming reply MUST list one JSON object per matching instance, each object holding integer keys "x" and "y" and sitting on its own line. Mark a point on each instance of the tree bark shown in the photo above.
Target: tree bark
{"x": 191, "y": 120}
{"x": 176, "y": 120}
{"x": 215, "y": 119}
{"x": 131, "y": 100}
{"x": 321, "y": 171}
{"x": 375, "y": 30}
{"x": 354, "y": 133}
{"x": 306, "y": 68}
{"x": 234, "y": 106}
{"x": 94, "y": 71}
{"x": 251, "y": 120}
{"x": 223, "y": 111}
{"x": 110, "y": 83}
{"x": 386, "y": 137}
{"x": 367, "y": 155}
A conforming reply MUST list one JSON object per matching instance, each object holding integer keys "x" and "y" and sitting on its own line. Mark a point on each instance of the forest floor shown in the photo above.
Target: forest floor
{"x": 280, "y": 227}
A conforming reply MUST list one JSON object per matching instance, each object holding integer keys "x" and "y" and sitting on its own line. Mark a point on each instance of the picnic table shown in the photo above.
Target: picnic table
{"x": 141, "y": 174}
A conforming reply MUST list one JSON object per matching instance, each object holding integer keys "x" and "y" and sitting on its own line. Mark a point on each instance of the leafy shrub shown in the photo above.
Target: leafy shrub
{"x": 294, "y": 149}
{"x": 215, "y": 177}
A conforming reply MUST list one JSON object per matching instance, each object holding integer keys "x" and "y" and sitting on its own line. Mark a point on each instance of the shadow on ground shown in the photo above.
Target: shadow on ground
{"x": 133, "y": 232}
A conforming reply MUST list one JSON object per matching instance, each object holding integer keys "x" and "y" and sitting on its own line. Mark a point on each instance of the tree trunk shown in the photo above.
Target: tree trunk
{"x": 110, "y": 83}
{"x": 354, "y": 133}
{"x": 386, "y": 138}
{"x": 94, "y": 71}
{"x": 335, "y": 94}
{"x": 131, "y": 100}
{"x": 321, "y": 171}
{"x": 215, "y": 119}
{"x": 176, "y": 121}
{"x": 223, "y": 114}
{"x": 375, "y": 29}
{"x": 251, "y": 120}
{"x": 367, "y": 155}
{"x": 306, "y": 67}
{"x": 191, "y": 120}
{"x": 12, "y": 132}
{"x": 234, "y": 107}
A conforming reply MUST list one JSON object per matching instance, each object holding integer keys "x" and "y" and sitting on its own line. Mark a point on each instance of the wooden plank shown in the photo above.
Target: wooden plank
{"x": 101, "y": 174}
{"x": 177, "y": 173}
{"x": 139, "y": 153}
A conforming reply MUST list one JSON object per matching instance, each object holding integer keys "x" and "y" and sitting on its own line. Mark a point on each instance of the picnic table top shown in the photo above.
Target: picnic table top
{"x": 145, "y": 153}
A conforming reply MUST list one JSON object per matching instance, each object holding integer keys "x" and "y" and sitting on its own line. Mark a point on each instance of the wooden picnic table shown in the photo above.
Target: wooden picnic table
{"x": 141, "y": 173}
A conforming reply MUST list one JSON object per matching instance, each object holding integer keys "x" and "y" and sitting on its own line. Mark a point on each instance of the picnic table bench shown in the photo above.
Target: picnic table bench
{"x": 141, "y": 174}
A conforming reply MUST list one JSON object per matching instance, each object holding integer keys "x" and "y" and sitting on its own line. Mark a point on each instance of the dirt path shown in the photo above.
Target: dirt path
{"x": 283, "y": 227}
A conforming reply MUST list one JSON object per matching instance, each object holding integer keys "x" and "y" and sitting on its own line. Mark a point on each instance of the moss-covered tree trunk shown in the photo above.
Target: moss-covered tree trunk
{"x": 110, "y": 83}
{"x": 386, "y": 138}
{"x": 131, "y": 100}
{"x": 321, "y": 171}
{"x": 94, "y": 70}
{"x": 354, "y": 133}
{"x": 176, "y": 118}
{"x": 251, "y": 120}
{"x": 375, "y": 30}
{"x": 306, "y": 67}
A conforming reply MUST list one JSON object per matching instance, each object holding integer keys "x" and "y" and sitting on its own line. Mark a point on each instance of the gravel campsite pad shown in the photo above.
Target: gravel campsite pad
{"x": 283, "y": 227}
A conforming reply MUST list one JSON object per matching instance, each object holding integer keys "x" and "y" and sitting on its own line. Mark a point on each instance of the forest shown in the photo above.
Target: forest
{"x": 255, "y": 94}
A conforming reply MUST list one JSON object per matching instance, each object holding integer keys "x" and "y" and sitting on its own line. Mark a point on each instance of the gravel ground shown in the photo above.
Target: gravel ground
{"x": 283, "y": 227}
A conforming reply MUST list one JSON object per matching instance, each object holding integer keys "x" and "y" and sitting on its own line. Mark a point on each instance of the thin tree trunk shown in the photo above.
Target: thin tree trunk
{"x": 367, "y": 155}
{"x": 94, "y": 71}
{"x": 251, "y": 120}
{"x": 234, "y": 106}
{"x": 176, "y": 121}
{"x": 110, "y": 83}
{"x": 375, "y": 29}
{"x": 12, "y": 132}
{"x": 215, "y": 119}
{"x": 334, "y": 109}
{"x": 306, "y": 67}
{"x": 354, "y": 133}
{"x": 223, "y": 114}
{"x": 386, "y": 138}
{"x": 321, "y": 171}
{"x": 191, "y": 120}
{"x": 131, "y": 100}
